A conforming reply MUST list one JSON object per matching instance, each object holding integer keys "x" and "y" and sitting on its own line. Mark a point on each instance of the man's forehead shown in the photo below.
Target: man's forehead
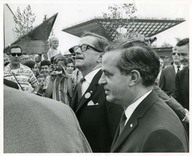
{"x": 184, "y": 48}
{"x": 90, "y": 40}
{"x": 16, "y": 50}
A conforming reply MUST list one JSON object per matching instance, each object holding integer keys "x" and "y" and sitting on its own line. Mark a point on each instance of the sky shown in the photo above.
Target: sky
{"x": 72, "y": 12}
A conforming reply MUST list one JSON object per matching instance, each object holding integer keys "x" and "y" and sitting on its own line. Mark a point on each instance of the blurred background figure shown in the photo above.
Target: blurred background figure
{"x": 61, "y": 84}
{"x": 70, "y": 65}
{"x": 44, "y": 76}
{"x": 53, "y": 51}
{"x": 181, "y": 93}
{"x": 6, "y": 59}
{"x": 167, "y": 78}
{"x": 160, "y": 69}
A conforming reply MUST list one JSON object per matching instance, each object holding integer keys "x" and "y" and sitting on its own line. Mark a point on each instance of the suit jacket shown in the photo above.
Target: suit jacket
{"x": 34, "y": 124}
{"x": 182, "y": 87}
{"x": 98, "y": 118}
{"x": 167, "y": 80}
{"x": 153, "y": 127}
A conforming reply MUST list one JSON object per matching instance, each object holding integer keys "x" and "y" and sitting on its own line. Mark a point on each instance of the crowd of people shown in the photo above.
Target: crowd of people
{"x": 106, "y": 97}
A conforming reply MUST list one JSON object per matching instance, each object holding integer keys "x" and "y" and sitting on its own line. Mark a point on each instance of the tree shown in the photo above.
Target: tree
{"x": 120, "y": 11}
{"x": 23, "y": 21}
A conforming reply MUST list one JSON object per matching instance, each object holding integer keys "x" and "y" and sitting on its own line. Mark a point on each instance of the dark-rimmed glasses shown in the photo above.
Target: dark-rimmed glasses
{"x": 14, "y": 54}
{"x": 83, "y": 48}
{"x": 179, "y": 54}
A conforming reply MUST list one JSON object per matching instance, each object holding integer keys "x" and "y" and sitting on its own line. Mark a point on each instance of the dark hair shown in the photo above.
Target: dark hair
{"x": 183, "y": 42}
{"x": 137, "y": 55}
{"x": 30, "y": 63}
{"x": 14, "y": 46}
{"x": 45, "y": 62}
{"x": 101, "y": 41}
{"x": 58, "y": 58}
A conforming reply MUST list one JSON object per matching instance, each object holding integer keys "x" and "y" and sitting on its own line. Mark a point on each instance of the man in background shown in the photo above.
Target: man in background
{"x": 167, "y": 78}
{"x": 19, "y": 73}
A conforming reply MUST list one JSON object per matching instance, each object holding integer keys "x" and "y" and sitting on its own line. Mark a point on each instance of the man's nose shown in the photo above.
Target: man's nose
{"x": 102, "y": 80}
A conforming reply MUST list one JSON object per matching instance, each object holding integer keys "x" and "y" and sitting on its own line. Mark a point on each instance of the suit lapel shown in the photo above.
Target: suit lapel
{"x": 90, "y": 91}
{"x": 133, "y": 121}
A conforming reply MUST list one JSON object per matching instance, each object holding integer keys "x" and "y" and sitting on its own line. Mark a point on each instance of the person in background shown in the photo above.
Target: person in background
{"x": 148, "y": 124}
{"x": 34, "y": 124}
{"x": 70, "y": 68}
{"x": 19, "y": 73}
{"x": 70, "y": 65}
{"x": 97, "y": 117}
{"x": 44, "y": 76}
{"x": 181, "y": 93}
{"x": 160, "y": 69}
{"x": 53, "y": 51}
{"x": 6, "y": 59}
{"x": 33, "y": 65}
{"x": 60, "y": 85}
{"x": 167, "y": 79}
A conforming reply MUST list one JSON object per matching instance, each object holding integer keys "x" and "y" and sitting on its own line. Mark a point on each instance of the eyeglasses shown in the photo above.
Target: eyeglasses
{"x": 180, "y": 54}
{"x": 83, "y": 48}
{"x": 14, "y": 54}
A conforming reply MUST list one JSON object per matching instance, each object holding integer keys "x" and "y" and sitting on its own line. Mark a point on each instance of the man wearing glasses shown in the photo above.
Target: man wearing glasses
{"x": 97, "y": 117}
{"x": 167, "y": 79}
{"x": 19, "y": 73}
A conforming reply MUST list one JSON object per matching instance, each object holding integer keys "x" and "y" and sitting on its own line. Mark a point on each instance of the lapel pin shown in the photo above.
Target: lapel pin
{"x": 131, "y": 125}
{"x": 87, "y": 95}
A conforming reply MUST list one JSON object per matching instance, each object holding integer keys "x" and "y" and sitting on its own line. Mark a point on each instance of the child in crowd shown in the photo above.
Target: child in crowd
{"x": 53, "y": 51}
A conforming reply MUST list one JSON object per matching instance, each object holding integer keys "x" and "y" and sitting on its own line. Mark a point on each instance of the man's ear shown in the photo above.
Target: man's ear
{"x": 135, "y": 77}
{"x": 99, "y": 58}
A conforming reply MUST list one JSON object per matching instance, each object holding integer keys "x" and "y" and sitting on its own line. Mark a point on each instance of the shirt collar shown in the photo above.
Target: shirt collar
{"x": 130, "y": 109}
{"x": 175, "y": 67}
{"x": 89, "y": 77}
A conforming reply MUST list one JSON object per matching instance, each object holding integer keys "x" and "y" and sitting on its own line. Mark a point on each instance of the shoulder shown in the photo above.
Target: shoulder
{"x": 168, "y": 68}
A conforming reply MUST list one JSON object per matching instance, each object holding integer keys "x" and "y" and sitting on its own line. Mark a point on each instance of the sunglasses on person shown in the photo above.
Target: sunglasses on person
{"x": 83, "y": 48}
{"x": 179, "y": 54}
{"x": 14, "y": 54}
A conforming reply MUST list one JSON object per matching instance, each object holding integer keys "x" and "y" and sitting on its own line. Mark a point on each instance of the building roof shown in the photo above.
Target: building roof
{"x": 39, "y": 34}
{"x": 108, "y": 27}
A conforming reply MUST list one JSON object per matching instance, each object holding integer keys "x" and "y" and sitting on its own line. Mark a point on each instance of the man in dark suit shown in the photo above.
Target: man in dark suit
{"x": 98, "y": 118}
{"x": 167, "y": 78}
{"x": 182, "y": 78}
{"x": 181, "y": 93}
{"x": 148, "y": 124}
{"x": 34, "y": 124}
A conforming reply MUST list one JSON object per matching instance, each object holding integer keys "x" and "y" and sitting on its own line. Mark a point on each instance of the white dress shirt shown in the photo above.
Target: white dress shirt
{"x": 131, "y": 108}
{"x": 88, "y": 79}
{"x": 175, "y": 67}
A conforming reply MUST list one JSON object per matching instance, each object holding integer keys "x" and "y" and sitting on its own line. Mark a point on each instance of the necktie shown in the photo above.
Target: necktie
{"x": 122, "y": 123}
{"x": 178, "y": 68}
{"x": 79, "y": 91}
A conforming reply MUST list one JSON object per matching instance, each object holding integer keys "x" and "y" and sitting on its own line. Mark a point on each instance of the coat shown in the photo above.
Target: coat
{"x": 98, "y": 118}
{"x": 182, "y": 88}
{"x": 34, "y": 124}
{"x": 167, "y": 80}
{"x": 153, "y": 127}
